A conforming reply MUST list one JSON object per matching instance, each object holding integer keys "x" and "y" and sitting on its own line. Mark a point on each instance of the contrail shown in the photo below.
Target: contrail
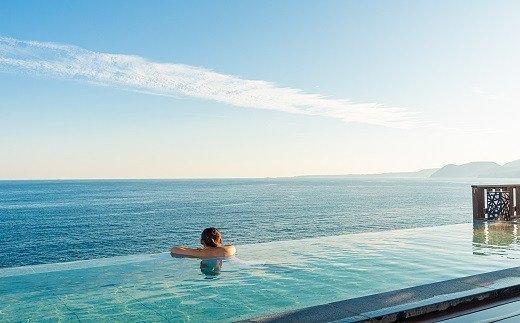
{"x": 139, "y": 74}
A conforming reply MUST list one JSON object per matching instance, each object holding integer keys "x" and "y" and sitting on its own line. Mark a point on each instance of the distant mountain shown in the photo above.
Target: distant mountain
{"x": 513, "y": 164}
{"x": 425, "y": 173}
{"x": 473, "y": 169}
{"x": 483, "y": 169}
{"x": 511, "y": 169}
{"x": 480, "y": 170}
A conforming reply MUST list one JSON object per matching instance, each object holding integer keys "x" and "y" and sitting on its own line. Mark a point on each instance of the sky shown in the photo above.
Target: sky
{"x": 207, "y": 89}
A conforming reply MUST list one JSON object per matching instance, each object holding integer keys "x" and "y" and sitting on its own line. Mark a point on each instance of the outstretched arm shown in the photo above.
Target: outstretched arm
{"x": 225, "y": 251}
{"x": 185, "y": 252}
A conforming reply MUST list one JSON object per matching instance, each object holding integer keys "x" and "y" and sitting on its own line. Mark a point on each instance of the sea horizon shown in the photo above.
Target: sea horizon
{"x": 83, "y": 219}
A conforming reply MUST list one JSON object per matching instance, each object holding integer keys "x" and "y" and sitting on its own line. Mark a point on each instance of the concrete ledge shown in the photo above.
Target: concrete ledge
{"x": 416, "y": 303}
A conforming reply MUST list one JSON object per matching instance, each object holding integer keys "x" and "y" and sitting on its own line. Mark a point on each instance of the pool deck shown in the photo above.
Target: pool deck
{"x": 491, "y": 293}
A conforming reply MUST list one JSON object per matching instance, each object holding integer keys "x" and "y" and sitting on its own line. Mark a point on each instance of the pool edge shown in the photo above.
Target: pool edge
{"x": 415, "y": 303}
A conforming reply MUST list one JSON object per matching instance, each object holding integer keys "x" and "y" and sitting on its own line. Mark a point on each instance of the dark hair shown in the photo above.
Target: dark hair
{"x": 211, "y": 237}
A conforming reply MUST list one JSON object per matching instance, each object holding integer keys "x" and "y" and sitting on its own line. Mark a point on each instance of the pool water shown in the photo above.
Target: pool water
{"x": 263, "y": 279}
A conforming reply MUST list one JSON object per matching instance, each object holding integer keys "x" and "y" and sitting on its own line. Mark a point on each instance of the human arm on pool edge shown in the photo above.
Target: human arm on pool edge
{"x": 211, "y": 241}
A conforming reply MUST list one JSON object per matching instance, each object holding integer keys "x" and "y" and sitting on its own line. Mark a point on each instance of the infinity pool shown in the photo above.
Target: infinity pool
{"x": 263, "y": 279}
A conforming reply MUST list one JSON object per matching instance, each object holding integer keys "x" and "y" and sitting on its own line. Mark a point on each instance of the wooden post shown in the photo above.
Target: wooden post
{"x": 511, "y": 203}
{"x": 482, "y": 203}
{"x": 474, "y": 201}
{"x": 478, "y": 203}
{"x": 517, "y": 196}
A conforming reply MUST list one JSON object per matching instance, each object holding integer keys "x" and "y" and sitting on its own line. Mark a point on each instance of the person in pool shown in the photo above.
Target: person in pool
{"x": 211, "y": 241}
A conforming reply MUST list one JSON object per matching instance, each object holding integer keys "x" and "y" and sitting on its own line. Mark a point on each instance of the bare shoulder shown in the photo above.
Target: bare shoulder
{"x": 229, "y": 250}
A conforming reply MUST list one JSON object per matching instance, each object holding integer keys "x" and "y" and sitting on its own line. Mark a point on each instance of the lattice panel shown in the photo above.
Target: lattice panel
{"x": 498, "y": 205}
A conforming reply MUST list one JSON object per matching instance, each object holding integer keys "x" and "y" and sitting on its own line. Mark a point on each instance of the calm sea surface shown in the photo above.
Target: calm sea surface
{"x": 57, "y": 221}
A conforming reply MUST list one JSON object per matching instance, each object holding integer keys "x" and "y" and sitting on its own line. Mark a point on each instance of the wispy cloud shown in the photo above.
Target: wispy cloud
{"x": 139, "y": 74}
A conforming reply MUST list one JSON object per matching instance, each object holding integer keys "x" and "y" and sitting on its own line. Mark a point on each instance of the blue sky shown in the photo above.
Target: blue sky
{"x": 451, "y": 68}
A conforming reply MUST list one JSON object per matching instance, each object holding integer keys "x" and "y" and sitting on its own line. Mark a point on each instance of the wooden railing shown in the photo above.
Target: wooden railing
{"x": 496, "y": 202}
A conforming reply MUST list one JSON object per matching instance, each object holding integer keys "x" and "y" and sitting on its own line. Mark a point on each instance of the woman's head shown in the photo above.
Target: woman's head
{"x": 211, "y": 237}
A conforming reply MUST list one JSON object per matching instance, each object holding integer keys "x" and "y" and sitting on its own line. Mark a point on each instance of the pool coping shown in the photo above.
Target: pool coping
{"x": 424, "y": 302}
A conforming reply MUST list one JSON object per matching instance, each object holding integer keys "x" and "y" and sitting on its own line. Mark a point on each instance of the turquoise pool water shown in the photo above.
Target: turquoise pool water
{"x": 265, "y": 278}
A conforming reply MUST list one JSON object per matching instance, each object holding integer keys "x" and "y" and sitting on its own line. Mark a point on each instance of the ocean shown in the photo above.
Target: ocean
{"x": 59, "y": 221}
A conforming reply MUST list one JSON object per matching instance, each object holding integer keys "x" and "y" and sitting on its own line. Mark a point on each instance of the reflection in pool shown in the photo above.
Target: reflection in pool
{"x": 496, "y": 238}
{"x": 211, "y": 267}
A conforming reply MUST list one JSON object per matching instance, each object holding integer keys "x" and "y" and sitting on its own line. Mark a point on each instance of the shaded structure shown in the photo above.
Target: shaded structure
{"x": 496, "y": 202}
